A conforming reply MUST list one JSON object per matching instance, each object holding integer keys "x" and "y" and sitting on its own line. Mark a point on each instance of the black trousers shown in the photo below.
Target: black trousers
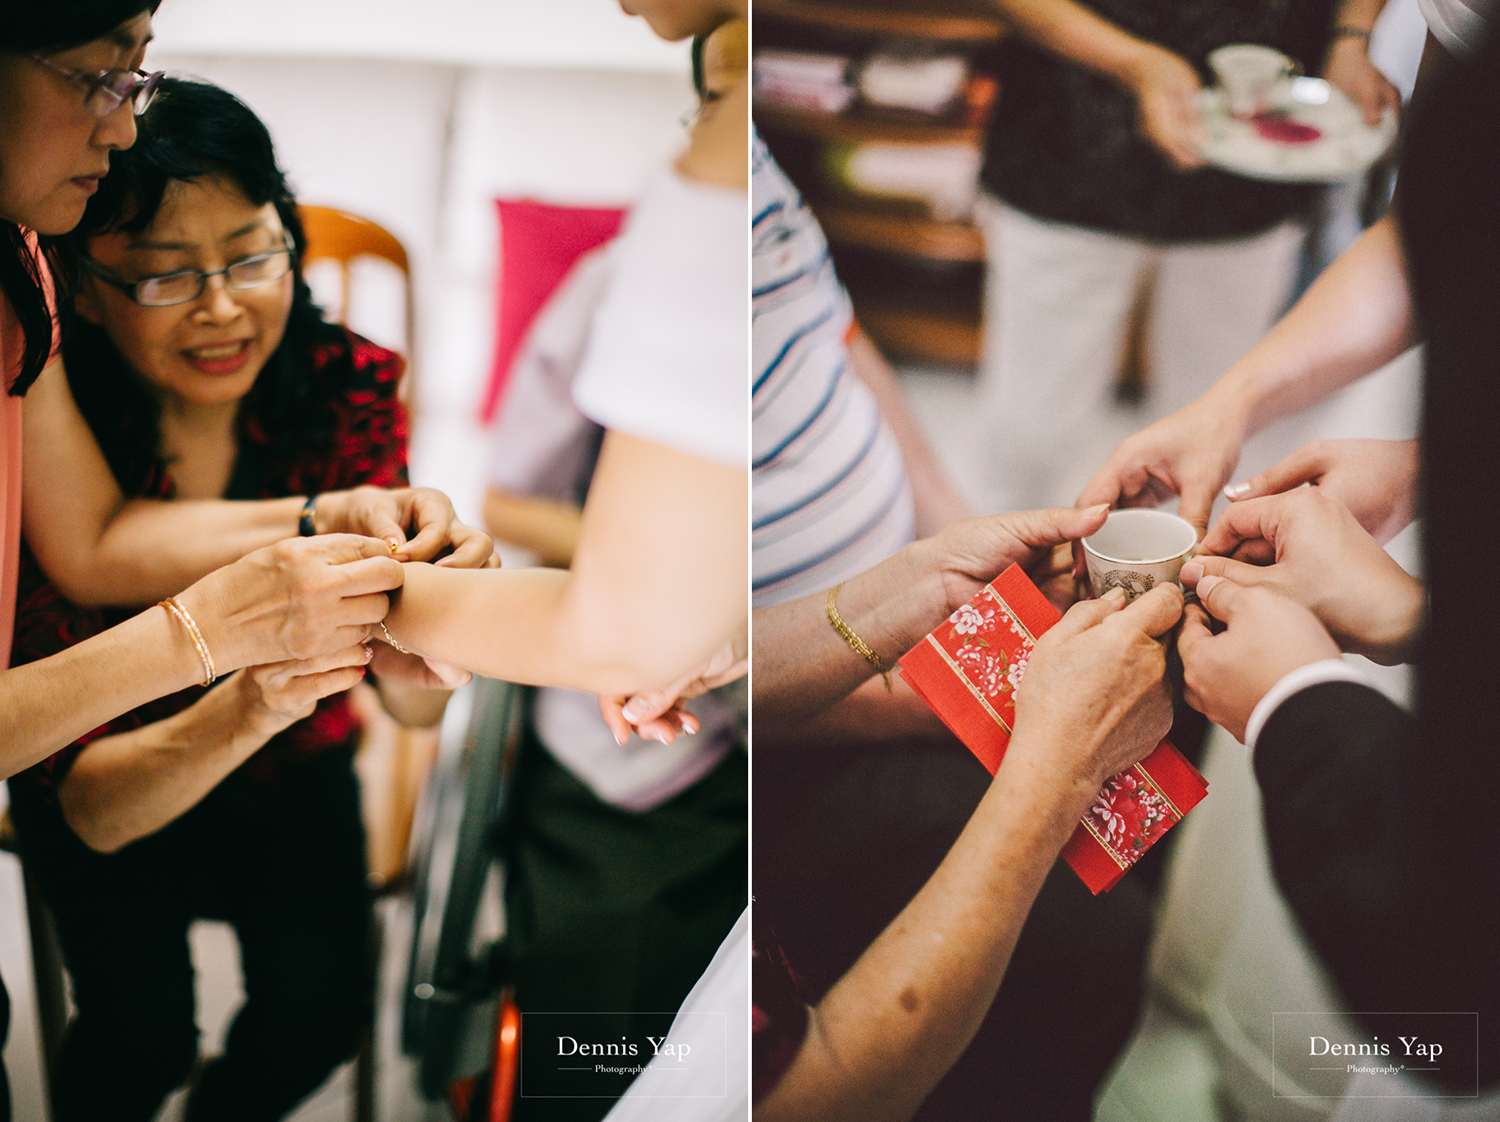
{"x": 614, "y": 912}
{"x": 285, "y": 864}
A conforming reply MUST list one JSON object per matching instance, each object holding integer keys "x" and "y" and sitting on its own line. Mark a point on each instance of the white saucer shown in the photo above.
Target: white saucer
{"x": 1347, "y": 147}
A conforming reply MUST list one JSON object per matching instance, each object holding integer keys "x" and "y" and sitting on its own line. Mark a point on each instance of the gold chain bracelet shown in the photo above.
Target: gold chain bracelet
{"x": 858, "y": 645}
{"x": 391, "y": 639}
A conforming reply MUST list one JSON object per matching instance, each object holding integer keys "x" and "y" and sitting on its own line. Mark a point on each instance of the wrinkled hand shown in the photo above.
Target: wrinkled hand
{"x": 1324, "y": 561}
{"x": 279, "y": 694}
{"x": 1266, "y": 637}
{"x": 1349, "y": 68}
{"x": 1094, "y": 698}
{"x": 1057, "y": 579}
{"x": 391, "y": 514}
{"x": 658, "y": 714}
{"x": 974, "y": 552}
{"x": 415, "y": 670}
{"x": 1166, "y": 87}
{"x": 1375, "y": 479}
{"x": 298, "y": 599}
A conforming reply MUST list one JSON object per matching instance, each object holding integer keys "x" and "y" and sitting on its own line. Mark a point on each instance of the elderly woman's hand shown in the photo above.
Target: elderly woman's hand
{"x": 298, "y": 599}
{"x": 1095, "y": 699}
{"x": 390, "y": 514}
{"x": 278, "y": 694}
{"x": 975, "y": 551}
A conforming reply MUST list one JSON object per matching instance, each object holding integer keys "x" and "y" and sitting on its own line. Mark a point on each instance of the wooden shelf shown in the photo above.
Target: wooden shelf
{"x": 916, "y": 283}
{"x": 861, "y": 125}
{"x": 900, "y": 233}
{"x": 949, "y": 21}
{"x": 905, "y": 332}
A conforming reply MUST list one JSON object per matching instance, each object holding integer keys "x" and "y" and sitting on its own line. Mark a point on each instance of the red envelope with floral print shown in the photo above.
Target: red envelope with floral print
{"x": 967, "y": 671}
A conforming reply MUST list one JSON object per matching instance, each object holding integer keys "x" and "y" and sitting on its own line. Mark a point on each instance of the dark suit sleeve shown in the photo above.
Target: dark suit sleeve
{"x": 1395, "y": 891}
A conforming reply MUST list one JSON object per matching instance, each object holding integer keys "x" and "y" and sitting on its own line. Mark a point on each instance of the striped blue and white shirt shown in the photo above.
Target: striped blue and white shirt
{"x": 830, "y": 497}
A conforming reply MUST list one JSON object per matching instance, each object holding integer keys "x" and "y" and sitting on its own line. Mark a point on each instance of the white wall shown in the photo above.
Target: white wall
{"x": 566, "y": 33}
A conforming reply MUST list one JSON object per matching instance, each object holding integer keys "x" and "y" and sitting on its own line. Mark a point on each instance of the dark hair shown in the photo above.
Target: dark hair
{"x": 193, "y": 130}
{"x": 52, "y": 26}
{"x": 57, "y": 25}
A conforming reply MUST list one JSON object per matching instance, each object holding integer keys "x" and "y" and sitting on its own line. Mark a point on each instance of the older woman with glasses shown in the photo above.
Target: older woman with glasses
{"x": 205, "y": 372}
{"x": 71, "y": 85}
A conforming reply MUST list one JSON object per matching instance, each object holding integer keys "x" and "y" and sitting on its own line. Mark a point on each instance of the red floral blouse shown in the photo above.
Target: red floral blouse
{"x": 357, "y": 382}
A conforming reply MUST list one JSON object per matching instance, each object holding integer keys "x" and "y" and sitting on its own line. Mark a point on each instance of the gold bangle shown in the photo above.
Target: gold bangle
{"x": 391, "y": 639}
{"x": 175, "y": 609}
{"x": 858, "y": 645}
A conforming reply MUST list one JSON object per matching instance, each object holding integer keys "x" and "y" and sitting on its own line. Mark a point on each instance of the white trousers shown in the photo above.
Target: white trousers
{"x": 1059, "y": 302}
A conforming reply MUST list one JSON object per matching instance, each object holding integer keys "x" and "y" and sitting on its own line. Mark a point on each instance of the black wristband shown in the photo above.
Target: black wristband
{"x": 307, "y": 525}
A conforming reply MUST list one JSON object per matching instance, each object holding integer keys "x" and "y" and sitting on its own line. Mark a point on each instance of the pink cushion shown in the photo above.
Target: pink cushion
{"x": 538, "y": 245}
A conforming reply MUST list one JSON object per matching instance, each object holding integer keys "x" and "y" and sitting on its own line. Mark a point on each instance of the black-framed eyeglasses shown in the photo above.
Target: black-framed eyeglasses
{"x": 107, "y": 90}
{"x": 181, "y": 288}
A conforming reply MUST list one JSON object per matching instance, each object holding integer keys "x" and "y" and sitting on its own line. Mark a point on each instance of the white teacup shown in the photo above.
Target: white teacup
{"x": 1249, "y": 74}
{"x": 1137, "y": 550}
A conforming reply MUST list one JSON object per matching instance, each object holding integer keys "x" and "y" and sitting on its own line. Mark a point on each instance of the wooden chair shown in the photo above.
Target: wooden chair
{"x": 343, "y": 238}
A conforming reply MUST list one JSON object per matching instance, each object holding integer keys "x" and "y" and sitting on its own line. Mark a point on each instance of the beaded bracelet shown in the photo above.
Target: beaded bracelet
{"x": 179, "y": 612}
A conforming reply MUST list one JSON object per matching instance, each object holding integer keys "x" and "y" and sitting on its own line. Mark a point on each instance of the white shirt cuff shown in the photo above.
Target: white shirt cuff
{"x": 1324, "y": 670}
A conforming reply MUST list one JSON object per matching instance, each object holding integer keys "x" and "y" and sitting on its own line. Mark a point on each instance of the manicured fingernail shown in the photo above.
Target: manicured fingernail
{"x": 689, "y": 727}
{"x": 1095, "y": 511}
{"x": 1236, "y": 491}
{"x": 369, "y": 652}
{"x": 620, "y": 740}
{"x": 1207, "y": 585}
{"x": 1192, "y": 572}
{"x": 660, "y": 737}
{"x": 634, "y": 710}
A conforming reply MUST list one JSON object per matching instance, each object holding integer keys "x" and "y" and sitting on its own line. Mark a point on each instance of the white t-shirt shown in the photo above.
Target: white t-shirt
{"x": 541, "y": 445}
{"x": 666, "y": 357}
{"x": 1459, "y": 25}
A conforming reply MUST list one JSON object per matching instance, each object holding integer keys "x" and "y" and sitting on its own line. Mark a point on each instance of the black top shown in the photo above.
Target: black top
{"x": 1064, "y": 144}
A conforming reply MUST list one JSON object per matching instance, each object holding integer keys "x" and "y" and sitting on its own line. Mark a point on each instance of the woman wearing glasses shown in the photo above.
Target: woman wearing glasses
{"x": 70, "y": 86}
{"x": 205, "y": 372}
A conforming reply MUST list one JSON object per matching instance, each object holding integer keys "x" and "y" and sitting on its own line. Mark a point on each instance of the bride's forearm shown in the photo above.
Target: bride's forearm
{"x": 531, "y": 626}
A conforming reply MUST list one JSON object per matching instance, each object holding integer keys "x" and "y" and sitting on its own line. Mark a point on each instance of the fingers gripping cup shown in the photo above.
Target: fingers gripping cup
{"x": 1137, "y": 550}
